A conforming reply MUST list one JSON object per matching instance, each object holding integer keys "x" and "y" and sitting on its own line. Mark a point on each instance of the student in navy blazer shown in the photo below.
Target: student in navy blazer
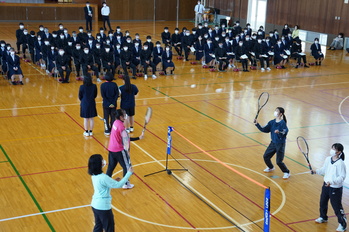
{"x": 316, "y": 52}
{"x": 14, "y": 67}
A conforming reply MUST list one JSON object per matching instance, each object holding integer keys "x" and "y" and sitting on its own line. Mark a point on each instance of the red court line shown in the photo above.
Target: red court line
{"x": 253, "y": 202}
{"x": 156, "y": 193}
{"x": 26, "y": 115}
{"x": 309, "y": 220}
{"x": 35, "y": 173}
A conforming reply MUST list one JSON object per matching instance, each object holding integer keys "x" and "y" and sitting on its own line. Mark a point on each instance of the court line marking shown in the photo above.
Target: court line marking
{"x": 340, "y": 110}
{"x": 4, "y": 161}
{"x": 205, "y": 228}
{"x": 176, "y": 96}
{"x": 46, "y": 212}
{"x": 28, "y": 190}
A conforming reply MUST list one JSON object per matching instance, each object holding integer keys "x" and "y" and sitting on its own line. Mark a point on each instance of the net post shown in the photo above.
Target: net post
{"x": 169, "y": 140}
{"x": 266, "y": 227}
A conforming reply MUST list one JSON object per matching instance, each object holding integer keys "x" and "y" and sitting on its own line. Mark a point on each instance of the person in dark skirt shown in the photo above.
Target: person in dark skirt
{"x": 128, "y": 103}
{"x": 316, "y": 52}
{"x": 14, "y": 67}
{"x": 110, "y": 94}
{"x": 87, "y": 96}
{"x": 167, "y": 61}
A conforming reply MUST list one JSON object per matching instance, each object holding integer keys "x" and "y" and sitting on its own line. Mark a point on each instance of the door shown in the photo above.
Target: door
{"x": 256, "y": 14}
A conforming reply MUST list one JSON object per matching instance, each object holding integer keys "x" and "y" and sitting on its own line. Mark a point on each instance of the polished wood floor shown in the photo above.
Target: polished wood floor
{"x": 44, "y": 185}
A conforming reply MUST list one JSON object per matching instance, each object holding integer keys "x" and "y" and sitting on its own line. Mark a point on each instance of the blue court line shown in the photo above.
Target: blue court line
{"x": 28, "y": 190}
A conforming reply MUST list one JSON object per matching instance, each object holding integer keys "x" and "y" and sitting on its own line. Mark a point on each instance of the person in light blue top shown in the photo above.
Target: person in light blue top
{"x": 278, "y": 131}
{"x": 101, "y": 199}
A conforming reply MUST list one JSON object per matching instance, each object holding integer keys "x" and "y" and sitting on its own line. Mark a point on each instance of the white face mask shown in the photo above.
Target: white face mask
{"x": 125, "y": 48}
{"x": 12, "y": 53}
{"x": 332, "y": 152}
{"x": 61, "y": 27}
{"x": 194, "y": 32}
{"x": 81, "y": 30}
{"x": 187, "y": 34}
{"x": 70, "y": 43}
{"x": 25, "y": 32}
{"x": 167, "y": 49}
{"x": 61, "y": 53}
{"x": 206, "y": 36}
{"x": 240, "y": 44}
{"x": 21, "y": 26}
{"x": 98, "y": 47}
{"x": 128, "y": 41}
{"x": 62, "y": 36}
{"x": 47, "y": 43}
{"x": 158, "y": 45}
{"x": 8, "y": 48}
{"x": 276, "y": 113}
{"x": 102, "y": 32}
{"x": 41, "y": 29}
{"x": 98, "y": 37}
{"x": 110, "y": 35}
{"x": 137, "y": 37}
{"x": 118, "y": 47}
{"x": 65, "y": 31}
{"x": 54, "y": 36}
{"x": 118, "y": 30}
{"x": 52, "y": 48}
{"x": 247, "y": 38}
{"x": 259, "y": 41}
{"x": 176, "y": 32}
{"x": 316, "y": 42}
{"x": 107, "y": 49}
{"x": 166, "y": 31}
{"x": 2, "y": 45}
{"x": 149, "y": 40}
{"x": 127, "y": 34}
{"x": 145, "y": 48}
{"x": 137, "y": 44}
{"x": 108, "y": 42}
{"x": 216, "y": 39}
{"x": 118, "y": 37}
{"x": 86, "y": 51}
{"x": 78, "y": 48}
{"x": 238, "y": 24}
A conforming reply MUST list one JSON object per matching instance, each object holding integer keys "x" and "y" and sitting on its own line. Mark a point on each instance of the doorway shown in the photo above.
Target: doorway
{"x": 256, "y": 14}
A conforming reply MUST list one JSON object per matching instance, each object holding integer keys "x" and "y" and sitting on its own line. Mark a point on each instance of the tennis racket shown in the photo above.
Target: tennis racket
{"x": 126, "y": 144}
{"x": 262, "y": 101}
{"x": 304, "y": 148}
{"x": 147, "y": 118}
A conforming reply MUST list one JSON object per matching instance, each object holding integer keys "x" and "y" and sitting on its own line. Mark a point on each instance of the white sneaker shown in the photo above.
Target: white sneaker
{"x": 90, "y": 133}
{"x": 145, "y": 77}
{"x": 268, "y": 69}
{"x": 230, "y": 66}
{"x": 154, "y": 76}
{"x": 128, "y": 130}
{"x": 320, "y": 220}
{"x": 128, "y": 186}
{"x": 263, "y": 69}
{"x": 131, "y": 129}
{"x": 86, "y": 134}
{"x": 286, "y": 175}
{"x": 98, "y": 80}
{"x": 269, "y": 169}
{"x": 341, "y": 228}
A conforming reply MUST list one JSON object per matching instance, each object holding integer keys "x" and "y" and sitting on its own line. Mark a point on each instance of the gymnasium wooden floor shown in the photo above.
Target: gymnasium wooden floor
{"x": 44, "y": 185}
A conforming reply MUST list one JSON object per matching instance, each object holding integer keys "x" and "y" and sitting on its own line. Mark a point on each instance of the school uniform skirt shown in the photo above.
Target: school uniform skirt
{"x": 14, "y": 72}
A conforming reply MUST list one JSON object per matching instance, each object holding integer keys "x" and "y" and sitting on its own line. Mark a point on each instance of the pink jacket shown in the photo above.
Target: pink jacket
{"x": 115, "y": 141}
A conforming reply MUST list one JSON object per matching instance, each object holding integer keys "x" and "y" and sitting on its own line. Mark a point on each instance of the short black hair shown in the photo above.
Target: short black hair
{"x": 109, "y": 76}
{"x": 87, "y": 79}
{"x": 95, "y": 164}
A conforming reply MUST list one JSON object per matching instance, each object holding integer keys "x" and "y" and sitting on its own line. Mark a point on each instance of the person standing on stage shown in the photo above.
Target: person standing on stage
{"x": 88, "y": 16}
{"x": 199, "y": 10}
{"x": 105, "y": 11}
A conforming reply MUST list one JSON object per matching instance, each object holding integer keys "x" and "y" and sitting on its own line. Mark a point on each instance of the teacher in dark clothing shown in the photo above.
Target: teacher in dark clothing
{"x": 88, "y": 16}
{"x": 87, "y": 96}
{"x": 110, "y": 94}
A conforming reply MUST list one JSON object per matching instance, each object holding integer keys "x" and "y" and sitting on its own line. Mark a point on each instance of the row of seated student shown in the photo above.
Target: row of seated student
{"x": 115, "y": 50}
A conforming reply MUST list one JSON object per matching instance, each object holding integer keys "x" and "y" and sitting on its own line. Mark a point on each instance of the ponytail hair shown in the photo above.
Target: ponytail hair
{"x": 339, "y": 147}
{"x": 282, "y": 111}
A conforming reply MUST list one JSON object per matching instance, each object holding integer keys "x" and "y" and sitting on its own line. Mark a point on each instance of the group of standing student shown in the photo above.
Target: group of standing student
{"x": 333, "y": 169}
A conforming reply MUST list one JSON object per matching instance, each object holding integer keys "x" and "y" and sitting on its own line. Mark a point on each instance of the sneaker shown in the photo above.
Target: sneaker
{"x": 154, "y": 76}
{"x": 21, "y": 83}
{"x": 269, "y": 169}
{"x": 268, "y": 69}
{"x": 263, "y": 69}
{"x": 86, "y": 134}
{"x": 98, "y": 80}
{"x": 145, "y": 77}
{"x": 286, "y": 175}
{"x": 131, "y": 129}
{"x": 90, "y": 133}
{"x": 320, "y": 220}
{"x": 107, "y": 132}
{"x": 128, "y": 186}
{"x": 341, "y": 228}
{"x": 128, "y": 130}
{"x": 14, "y": 83}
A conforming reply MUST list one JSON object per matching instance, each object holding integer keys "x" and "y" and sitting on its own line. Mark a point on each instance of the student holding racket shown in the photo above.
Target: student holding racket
{"x": 334, "y": 172}
{"x": 278, "y": 131}
{"x": 117, "y": 153}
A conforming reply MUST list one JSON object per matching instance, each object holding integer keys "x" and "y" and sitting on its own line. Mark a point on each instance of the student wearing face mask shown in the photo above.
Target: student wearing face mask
{"x": 55, "y": 38}
{"x": 31, "y": 45}
{"x": 285, "y": 30}
{"x": 76, "y": 56}
{"x": 108, "y": 60}
{"x": 136, "y": 49}
{"x": 230, "y": 52}
{"x": 51, "y": 58}
{"x": 241, "y": 55}
{"x": 296, "y": 53}
{"x": 249, "y": 30}
{"x": 101, "y": 199}
{"x": 60, "y": 29}
{"x": 118, "y": 32}
{"x": 14, "y": 67}
{"x": 199, "y": 50}
{"x": 316, "y": 52}
{"x": 128, "y": 43}
{"x": 82, "y": 36}
{"x": 221, "y": 57}
{"x": 117, "y": 55}
{"x": 24, "y": 41}
{"x": 105, "y": 11}
{"x": 146, "y": 61}
{"x": 209, "y": 53}
{"x": 126, "y": 57}
{"x": 166, "y": 37}
{"x": 62, "y": 41}
{"x": 187, "y": 43}
{"x": 102, "y": 34}
{"x": 334, "y": 172}
{"x": 126, "y": 38}
{"x": 168, "y": 65}
{"x": 337, "y": 43}
{"x": 41, "y": 31}
{"x": 261, "y": 53}
{"x": 46, "y": 48}
{"x": 280, "y": 56}
{"x": 278, "y": 131}
{"x": 97, "y": 55}
{"x": 19, "y": 35}
{"x": 176, "y": 42}
{"x": 157, "y": 53}
{"x": 88, "y": 16}
{"x": 88, "y": 63}
{"x": 237, "y": 28}
{"x": 3, "y": 57}
{"x": 62, "y": 64}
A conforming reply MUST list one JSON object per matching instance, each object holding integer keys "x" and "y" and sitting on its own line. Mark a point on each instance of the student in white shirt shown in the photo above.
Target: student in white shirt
{"x": 334, "y": 172}
{"x": 105, "y": 11}
{"x": 199, "y": 10}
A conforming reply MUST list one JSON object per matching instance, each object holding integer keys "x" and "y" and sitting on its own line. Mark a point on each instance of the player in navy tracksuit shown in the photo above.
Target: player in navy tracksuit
{"x": 278, "y": 132}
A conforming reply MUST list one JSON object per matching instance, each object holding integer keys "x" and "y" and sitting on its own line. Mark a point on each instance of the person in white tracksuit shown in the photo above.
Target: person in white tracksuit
{"x": 334, "y": 171}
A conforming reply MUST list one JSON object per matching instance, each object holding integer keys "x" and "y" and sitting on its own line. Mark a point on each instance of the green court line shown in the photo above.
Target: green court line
{"x": 222, "y": 124}
{"x": 229, "y": 127}
{"x": 27, "y": 188}
{"x": 329, "y": 124}
{"x": 242, "y": 81}
{"x": 3, "y": 161}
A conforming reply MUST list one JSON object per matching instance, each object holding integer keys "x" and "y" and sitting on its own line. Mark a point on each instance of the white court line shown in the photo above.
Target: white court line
{"x": 47, "y": 212}
{"x": 176, "y": 96}
{"x": 301, "y": 173}
{"x": 340, "y": 110}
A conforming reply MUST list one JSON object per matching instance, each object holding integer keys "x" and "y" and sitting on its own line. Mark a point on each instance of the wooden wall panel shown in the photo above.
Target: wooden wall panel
{"x": 237, "y": 9}
{"x": 141, "y": 9}
{"x": 12, "y": 13}
{"x": 165, "y": 9}
{"x": 186, "y": 9}
{"x": 70, "y": 14}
